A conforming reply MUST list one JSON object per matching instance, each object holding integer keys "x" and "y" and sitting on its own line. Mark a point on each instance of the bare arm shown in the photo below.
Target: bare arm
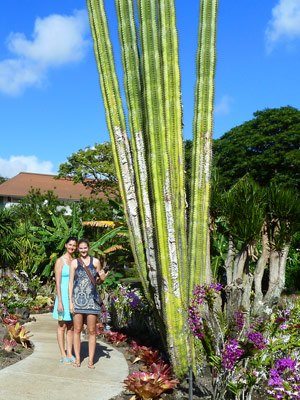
{"x": 100, "y": 270}
{"x": 71, "y": 285}
{"x": 58, "y": 269}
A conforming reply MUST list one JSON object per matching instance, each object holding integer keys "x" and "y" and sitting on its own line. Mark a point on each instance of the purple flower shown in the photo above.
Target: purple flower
{"x": 123, "y": 290}
{"x": 195, "y": 322}
{"x": 284, "y": 380}
{"x": 239, "y": 319}
{"x": 284, "y": 363}
{"x": 231, "y": 353}
{"x": 216, "y": 286}
{"x": 257, "y": 339}
{"x": 278, "y": 320}
{"x": 201, "y": 294}
{"x": 134, "y": 300}
{"x": 3, "y": 308}
{"x": 114, "y": 299}
{"x": 283, "y": 326}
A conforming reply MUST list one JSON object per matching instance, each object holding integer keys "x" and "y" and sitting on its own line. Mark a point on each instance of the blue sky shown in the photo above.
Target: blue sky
{"x": 50, "y": 100}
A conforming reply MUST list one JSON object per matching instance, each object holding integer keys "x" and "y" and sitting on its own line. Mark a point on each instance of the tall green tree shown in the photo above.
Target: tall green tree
{"x": 35, "y": 206}
{"x": 2, "y": 179}
{"x": 93, "y": 167}
{"x": 266, "y": 148}
{"x": 150, "y": 167}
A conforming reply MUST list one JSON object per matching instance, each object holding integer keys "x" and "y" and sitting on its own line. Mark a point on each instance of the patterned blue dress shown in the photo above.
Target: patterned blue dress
{"x": 84, "y": 292}
{"x": 65, "y": 274}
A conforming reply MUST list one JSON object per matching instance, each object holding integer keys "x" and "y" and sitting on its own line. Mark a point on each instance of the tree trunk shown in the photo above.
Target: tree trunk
{"x": 259, "y": 272}
{"x": 277, "y": 277}
{"x": 229, "y": 261}
{"x": 239, "y": 290}
{"x": 240, "y": 263}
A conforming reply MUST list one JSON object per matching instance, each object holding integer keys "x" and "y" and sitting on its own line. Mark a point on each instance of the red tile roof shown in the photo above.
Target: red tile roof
{"x": 64, "y": 189}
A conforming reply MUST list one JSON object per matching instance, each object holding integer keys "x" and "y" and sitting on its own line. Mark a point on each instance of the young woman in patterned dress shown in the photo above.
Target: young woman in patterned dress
{"x": 82, "y": 295}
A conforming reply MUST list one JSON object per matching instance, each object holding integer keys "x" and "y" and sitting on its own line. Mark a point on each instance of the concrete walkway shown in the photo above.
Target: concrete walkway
{"x": 41, "y": 376}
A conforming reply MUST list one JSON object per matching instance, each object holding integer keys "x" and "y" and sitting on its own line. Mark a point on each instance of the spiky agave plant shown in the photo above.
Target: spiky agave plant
{"x": 171, "y": 257}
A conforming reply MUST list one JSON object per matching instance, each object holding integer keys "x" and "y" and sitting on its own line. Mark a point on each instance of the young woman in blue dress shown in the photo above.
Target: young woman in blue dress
{"x": 61, "y": 307}
{"x": 83, "y": 298}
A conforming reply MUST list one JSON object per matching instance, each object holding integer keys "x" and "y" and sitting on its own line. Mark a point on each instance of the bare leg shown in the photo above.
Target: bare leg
{"x": 70, "y": 332}
{"x": 77, "y": 321}
{"x": 61, "y": 327}
{"x": 91, "y": 325}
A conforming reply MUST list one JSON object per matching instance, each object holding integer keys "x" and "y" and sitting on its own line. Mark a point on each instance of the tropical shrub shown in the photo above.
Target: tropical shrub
{"x": 128, "y": 308}
{"x": 18, "y": 290}
{"x": 292, "y": 278}
{"x": 252, "y": 231}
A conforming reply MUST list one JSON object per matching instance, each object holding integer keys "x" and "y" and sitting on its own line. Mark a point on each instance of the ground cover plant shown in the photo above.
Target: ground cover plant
{"x": 15, "y": 343}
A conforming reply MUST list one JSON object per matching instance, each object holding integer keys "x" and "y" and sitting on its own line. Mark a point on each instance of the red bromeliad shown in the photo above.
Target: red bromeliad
{"x": 8, "y": 345}
{"x": 148, "y": 385}
{"x": 145, "y": 354}
{"x": 115, "y": 337}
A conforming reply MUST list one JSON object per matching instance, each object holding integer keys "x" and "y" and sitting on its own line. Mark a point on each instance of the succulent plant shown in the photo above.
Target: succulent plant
{"x": 148, "y": 385}
{"x": 145, "y": 354}
{"x": 162, "y": 369}
{"x": 19, "y": 334}
{"x": 9, "y": 321}
{"x": 115, "y": 337}
{"x": 8, "y": 345}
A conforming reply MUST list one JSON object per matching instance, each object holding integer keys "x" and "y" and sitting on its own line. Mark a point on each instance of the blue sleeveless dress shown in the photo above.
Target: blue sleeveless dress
{"x": 65, "y": 274}
{"x": 84, "y": 292}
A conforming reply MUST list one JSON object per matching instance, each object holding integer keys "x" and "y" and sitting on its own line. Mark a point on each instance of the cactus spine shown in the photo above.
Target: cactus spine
{"x": 150, "y": 167}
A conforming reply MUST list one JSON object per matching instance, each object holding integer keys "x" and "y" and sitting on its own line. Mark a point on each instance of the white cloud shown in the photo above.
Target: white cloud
{"x": 16, "y": 164}
{"x": 284, "y": 24}
{"x": 224, "y": 105}
{"x": 56, "y": 40}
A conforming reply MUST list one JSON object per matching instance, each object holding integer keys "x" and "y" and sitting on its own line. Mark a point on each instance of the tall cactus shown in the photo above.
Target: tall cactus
{"x": 150, "y": 166}
{"x": 201, "y": 156}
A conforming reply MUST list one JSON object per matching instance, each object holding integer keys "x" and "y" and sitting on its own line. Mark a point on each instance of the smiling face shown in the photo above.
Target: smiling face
{"x": 83, "y": 249}
{"x": 71, "y": 246}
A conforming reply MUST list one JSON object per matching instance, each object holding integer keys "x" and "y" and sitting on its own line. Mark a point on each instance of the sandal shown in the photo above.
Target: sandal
{"x": 71, "y": 359}
{"x": 91, "y": 366}
{"x": 76, "y": 364}
{"x": 65, "y": 360}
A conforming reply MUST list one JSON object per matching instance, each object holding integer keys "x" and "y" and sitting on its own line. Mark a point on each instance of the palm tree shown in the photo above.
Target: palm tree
{"x": 260, "y": 226}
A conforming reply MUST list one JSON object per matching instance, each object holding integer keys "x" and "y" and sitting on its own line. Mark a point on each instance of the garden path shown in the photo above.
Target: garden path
{"x": 41, "y": 376}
